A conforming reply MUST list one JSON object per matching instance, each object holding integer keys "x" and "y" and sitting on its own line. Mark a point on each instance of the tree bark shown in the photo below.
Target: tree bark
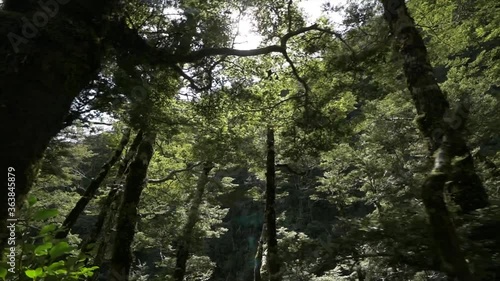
{"x": 435, "y": 120}
{"x": 258, "y": 255}
{"x": 184, "y": 242}
{"x": 127, "y": 214}
{"x": 96, "y": 182}
{"x": 106, "y": 219}
{"x": 105, "y": 229}
{"x": 103, "y": 214}
{"x": 444, "y": 141}
{"x": 132, "y": 151}
{"x": 40, "y": 75}
{"x": 273, "y": 263}
{"x": 444, "y": 233}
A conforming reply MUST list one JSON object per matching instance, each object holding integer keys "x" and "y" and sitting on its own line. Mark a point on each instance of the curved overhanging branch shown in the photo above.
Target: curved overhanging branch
{"x": 209, "y": 52}
{"x": 282, "y": 48}
{"x": 127, "y": 40}
{"x": 131, "y": 40}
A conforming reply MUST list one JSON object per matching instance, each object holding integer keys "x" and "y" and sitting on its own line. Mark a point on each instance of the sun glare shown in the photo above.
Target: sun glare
{"x": 248, "y": 38}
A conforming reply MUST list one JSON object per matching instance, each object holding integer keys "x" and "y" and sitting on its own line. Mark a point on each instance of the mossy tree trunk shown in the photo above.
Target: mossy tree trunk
{"x": 184, "y": 242}
{"x": 442, "y": 130}
{"x": 44, "y": 64}
{"x": 435, "y": 120}
{"x": 112, "y": 196}
{"x": 272, "y": 258}
{"x": 128, "y": 216}
{"x": 258, "y": 255}
{"x": 103, "y": 235}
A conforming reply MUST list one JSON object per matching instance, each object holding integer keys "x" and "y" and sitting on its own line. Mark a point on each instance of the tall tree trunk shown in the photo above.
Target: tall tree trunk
{"x": 43, "y": 67}
{"x": 124, "y": 164}
{"x": 273, "y": 263}
{"x": 104, "y": 234}
{"x": 127, "y": 214}
{"x": 184, "y": 242}
{"x": 258, "y": 255}
{"x": 444, "y": 233}
{"x": 435, "y": 119}
{"x": 72, "y": 217}
{"x": 444, "y": 139}
{"x": 103, "y": 214}
{"x": 107, "y": 216}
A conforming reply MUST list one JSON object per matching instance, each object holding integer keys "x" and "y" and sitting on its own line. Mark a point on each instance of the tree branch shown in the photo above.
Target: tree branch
{"x": 289, "y": 35}
{"x": 208, "y": 52}
{"x": 297, "y": 75}
{"x": 172, "y": 173}
{"x": 155, "y": 56}
{"x": 289, "y": 15}
{"x": 191, "y": 81}
{"x": 126, "y": 39}
{"x": 336, "y": 35}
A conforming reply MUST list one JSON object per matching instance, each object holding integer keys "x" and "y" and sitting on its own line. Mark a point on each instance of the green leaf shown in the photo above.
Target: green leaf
{"x": 42, "y": 250}
{"x": 31, "y": 200}
{"x": 55, "y": 265}
{"x": 46, "y": 214}
{"x": 89, "y": 269}
{"x": 30, "y": 273}
{"x": 3, "y": 273}
{"x": 60, "y": 249}
{"x": 61, "y": 271}
{"x": 47, "y": 228}
{"x": 39, "y": 272}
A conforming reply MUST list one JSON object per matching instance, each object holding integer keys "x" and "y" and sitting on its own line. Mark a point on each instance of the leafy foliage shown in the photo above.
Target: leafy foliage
{"x": 350, "y": 159}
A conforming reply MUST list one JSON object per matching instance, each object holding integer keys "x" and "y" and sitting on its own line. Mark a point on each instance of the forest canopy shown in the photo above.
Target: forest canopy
{"x": 144, "y": 140}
